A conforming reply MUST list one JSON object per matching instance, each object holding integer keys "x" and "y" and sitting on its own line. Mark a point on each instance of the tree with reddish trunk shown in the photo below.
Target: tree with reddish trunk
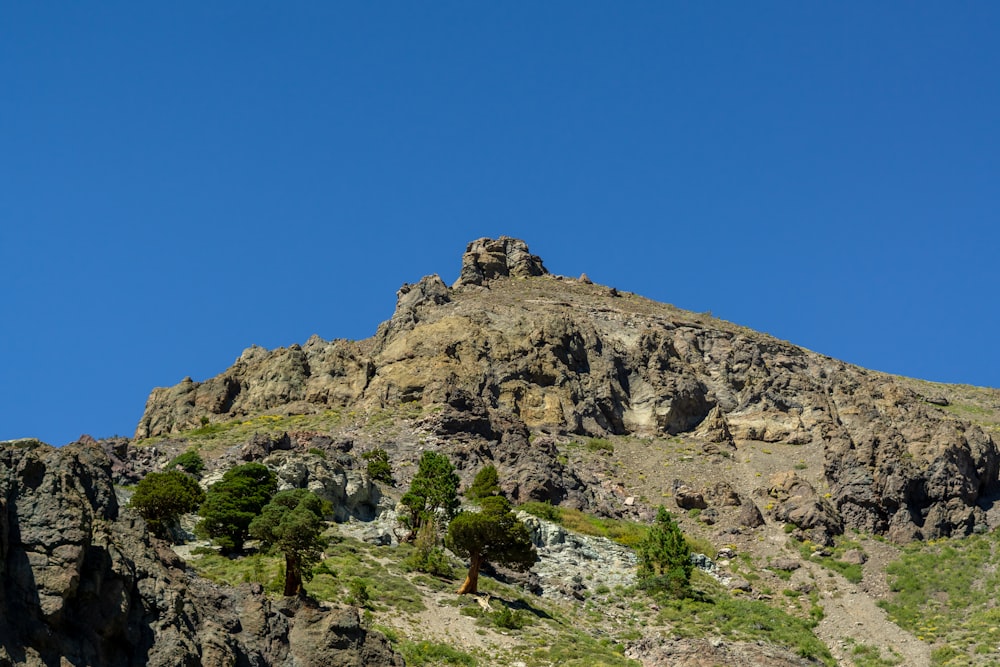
{"x": 292, "y": 523}
{"x": 492, "y": 535}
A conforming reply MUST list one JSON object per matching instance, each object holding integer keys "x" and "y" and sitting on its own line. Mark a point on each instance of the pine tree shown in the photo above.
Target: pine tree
{"x": 486, "y": 484}
{"x": 665, "y": 558}
{"x": 434, "y": 488}
{"x": 233, "y": 502}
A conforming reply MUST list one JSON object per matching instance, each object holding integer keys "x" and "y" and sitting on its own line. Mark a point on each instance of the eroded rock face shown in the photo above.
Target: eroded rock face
{"x": 82, "y": 583}
{"x": 562, "y": 356}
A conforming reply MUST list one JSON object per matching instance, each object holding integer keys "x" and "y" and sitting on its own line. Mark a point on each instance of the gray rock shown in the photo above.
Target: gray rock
{"x": 82, "y": 582}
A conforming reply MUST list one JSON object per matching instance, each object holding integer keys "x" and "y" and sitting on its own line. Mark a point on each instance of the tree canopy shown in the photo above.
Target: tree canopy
{"x": 665, "y": 558}
{"x": 162, "y": 497}
{"x": 492, "y": 535}
{"x": 434, "y": 488}
{"x": 234, "y": 501}
{"x": 293, "y": 524}
{"x": 486, "y": 484}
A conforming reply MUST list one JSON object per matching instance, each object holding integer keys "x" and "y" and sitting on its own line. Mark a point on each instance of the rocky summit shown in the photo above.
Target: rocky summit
{"x": 791, "y": 470}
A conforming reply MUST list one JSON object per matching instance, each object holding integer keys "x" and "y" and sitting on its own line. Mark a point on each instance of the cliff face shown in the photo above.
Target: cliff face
{"x": 81, "y": 583}
{"x": 565, "y": 356}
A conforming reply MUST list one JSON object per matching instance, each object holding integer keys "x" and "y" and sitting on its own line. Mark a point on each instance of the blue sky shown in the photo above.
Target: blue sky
{"x": 179, "y": 181}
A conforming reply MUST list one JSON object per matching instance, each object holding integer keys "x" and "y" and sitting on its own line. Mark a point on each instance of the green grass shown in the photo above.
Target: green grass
{"x": 211, "y": 437}
{"x": 864, "y": 655}
{"x": 627, "y": 533}
{"x": 350, "y": 566}
{"x": 736, "y": 619}
{"x": 431, "y": 654}
{"x": 850, "y": 571}
{"x": 945, "y": 592}
{"x": 575, "y": 649}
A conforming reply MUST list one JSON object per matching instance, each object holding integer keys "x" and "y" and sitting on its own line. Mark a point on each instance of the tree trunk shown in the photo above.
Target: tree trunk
{"x": 293, "y": 576}
{"x": 471, "y": 585}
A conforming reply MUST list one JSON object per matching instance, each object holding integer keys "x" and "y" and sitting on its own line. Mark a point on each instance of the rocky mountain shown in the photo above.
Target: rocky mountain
{"x": 510, "y": 342}
{"x": 595, "y": 400}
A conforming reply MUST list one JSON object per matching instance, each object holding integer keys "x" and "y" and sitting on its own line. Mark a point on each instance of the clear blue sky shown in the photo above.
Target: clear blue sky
{"x": 179, "y": 181}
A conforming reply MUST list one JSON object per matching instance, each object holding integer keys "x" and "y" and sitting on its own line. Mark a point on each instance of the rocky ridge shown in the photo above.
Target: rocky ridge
{"x": 511, "y": 350}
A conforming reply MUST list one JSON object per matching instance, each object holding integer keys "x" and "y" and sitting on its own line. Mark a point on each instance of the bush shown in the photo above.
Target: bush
{"x": 542, "y": 510}
{"x": 507, "y": 619}
{"x": 190, "y": 462}
{"x": 427, "y": 556}
{"x": 162, "y": 497}
{"x": 600, "y": 445}
{"x": 379, "y": 468}
{"x": 486, "y": 484}
{"x": 357, "y": 593}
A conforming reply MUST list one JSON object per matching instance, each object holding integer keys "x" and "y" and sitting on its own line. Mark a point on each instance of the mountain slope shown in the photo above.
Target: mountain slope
{"x": 563, "y": 356}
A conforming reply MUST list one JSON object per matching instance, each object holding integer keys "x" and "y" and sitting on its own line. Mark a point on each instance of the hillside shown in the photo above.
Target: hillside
{"x": 800, "y": 477}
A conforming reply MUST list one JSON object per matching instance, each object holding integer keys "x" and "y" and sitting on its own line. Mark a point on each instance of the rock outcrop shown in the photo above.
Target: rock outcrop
{"x": 563, "y": 356}
{"x": 82, "y": 583}
{"x": 486, "y": 260}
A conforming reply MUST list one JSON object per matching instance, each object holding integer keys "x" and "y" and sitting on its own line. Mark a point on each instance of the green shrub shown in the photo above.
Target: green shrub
{"x": 600, "y": 445}
{"x": 357, "y": 593}
{"x": 162, "y": 497}
{"x": 430, "y": 654}
{"x": 190, "y": 462}
{"x": 509, "y": 619}
{"x": 427, "y": 556}
{"x": 542, "y": 510}
{"x": 486, "y": 484}
{"x": 379, "y": 468}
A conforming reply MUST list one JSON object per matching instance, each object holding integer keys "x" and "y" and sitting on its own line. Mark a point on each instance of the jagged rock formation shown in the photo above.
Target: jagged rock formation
{"x": 511, "y": 343}
{"x": 82, "y": 583}
{"x": 486, "y": 260}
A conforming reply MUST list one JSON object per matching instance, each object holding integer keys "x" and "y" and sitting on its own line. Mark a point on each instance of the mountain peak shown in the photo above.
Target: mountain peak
{"x": 487, "y": 259}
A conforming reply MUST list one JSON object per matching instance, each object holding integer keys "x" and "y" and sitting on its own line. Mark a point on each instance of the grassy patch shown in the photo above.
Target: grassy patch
{"x": 863, "y": 655}
{"x": 743, "y": 620}
{"x": 850, "y": 571}
{"x": 349, "y": 575}
{"x": 212, "y": 437}
{"x": 431, "y": 654}
{"x": 945, "y": 592}
{"x": 574, "y": 649}
{"x": 628, "y": 533}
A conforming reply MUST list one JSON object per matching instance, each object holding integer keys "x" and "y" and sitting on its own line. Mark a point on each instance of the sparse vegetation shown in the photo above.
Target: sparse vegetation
{"x": 944, "y": 592}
